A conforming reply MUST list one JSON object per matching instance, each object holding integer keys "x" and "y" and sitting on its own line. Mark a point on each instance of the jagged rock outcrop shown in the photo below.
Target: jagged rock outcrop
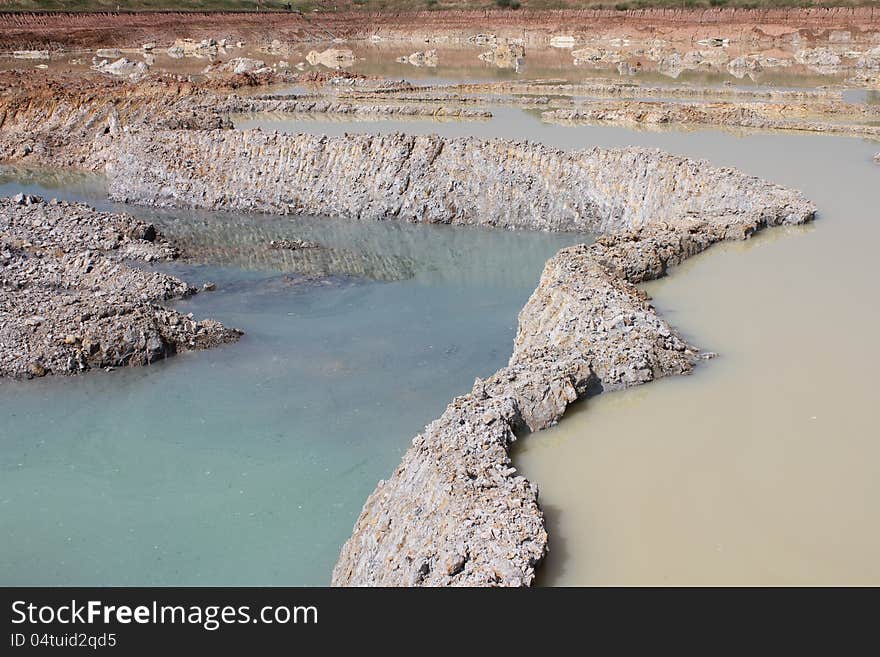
{"x": 68, "y": 301}
{"x": 326, "y": 106}
{"x": 762, "y": 116}
{"x": 430, "y": 179}
{"x": 455, "y": 512}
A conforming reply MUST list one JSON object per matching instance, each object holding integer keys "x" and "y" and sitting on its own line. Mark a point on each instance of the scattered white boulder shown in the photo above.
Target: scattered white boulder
{"x": 505, "y": 54}
{"x": 122, "y": 67}
{"x": 561, "y": 41}
{"x": 817, "y": 57}
{"x": 241, "y": 65}
{"x": 331, "y": 58}
{"x": 189, "y": 48}
{"x": 422, "y": 58}
{"x": 671, "y": 65}
{"x": 744, "y": 65}
{"x": 31, "y": 54}
{"x": 869, "y": 59}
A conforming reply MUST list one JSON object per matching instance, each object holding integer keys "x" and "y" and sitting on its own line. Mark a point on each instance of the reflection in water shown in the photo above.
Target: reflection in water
{"x": 455, "y": 63}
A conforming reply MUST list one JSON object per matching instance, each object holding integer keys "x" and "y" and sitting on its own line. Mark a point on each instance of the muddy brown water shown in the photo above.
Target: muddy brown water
{"x": 762, "y": 467}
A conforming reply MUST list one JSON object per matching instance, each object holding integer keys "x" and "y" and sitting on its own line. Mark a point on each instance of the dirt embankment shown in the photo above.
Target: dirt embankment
{"x": 92, "y": 30}
{"x": 66, "y": 120}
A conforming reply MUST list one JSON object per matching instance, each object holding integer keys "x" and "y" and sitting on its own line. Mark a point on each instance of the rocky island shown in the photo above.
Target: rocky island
{"x": 72, "y": 301}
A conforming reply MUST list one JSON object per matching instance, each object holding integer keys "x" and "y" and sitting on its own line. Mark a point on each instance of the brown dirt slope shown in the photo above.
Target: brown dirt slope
{"x": 88, "y": 30}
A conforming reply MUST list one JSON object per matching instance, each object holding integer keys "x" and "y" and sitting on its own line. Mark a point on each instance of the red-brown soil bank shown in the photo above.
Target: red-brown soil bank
{"x": 23, "y": 31}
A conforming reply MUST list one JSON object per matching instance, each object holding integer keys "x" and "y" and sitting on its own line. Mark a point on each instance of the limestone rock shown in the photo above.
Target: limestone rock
{"x": 70, "y": 303}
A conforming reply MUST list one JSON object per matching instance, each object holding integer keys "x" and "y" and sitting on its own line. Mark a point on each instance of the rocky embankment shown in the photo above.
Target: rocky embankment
{"x": 761, "y": 116}
{"x": 429, "y": 179}
{"x": 455, "y": 513}
{"x": 65, "y": 120}
{"x": 69, "y": 301}
{"x": 330, "y": 106}
{"x": 632, "y": 90}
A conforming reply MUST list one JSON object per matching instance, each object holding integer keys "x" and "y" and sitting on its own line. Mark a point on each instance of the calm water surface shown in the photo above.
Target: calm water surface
{"x": 762, "y": 468}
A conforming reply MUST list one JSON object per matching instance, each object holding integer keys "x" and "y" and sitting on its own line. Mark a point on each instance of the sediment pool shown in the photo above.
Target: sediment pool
{"x": 762, "y": 467}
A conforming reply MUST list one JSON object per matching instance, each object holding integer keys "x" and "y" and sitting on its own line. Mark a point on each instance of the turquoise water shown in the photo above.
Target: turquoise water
{"x": 248, "y": 464}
